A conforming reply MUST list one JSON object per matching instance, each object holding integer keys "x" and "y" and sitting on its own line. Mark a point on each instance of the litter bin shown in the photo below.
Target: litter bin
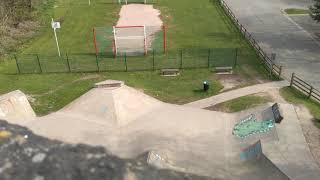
{"x": 205, "y": 86}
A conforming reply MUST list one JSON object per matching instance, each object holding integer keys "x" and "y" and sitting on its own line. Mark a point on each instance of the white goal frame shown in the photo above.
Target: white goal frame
{"x": 145, "y": 1}
{"x": 116, "y": 38}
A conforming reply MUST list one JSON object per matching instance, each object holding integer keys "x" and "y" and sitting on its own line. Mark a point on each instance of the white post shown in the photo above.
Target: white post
{"x": 145, "y": 39}
{"x": 55, "y": 35}
{"x": 115, "y": 40}
{"x": 89, "y": 2}
{"x": 145, "y": 1}
{"x": 119, "y": 1}
{"x": 126, "y": 1}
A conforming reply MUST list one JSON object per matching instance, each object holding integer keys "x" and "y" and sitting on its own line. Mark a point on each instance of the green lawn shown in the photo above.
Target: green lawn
{"x": 53, "y": 91}
{"x": 191, "y": 24}
{"x": 296, "y": 11}
{"x": 241, "y": 103}
{"x": 295, "y": 97}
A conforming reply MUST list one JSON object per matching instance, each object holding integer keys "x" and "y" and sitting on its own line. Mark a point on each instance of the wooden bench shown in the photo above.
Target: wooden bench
{"x": 169, "y": 72}
{"x": 223, "y": 70}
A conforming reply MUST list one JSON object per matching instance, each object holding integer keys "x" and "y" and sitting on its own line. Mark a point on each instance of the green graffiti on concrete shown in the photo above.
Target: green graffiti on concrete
{"x": 251, "y": 126}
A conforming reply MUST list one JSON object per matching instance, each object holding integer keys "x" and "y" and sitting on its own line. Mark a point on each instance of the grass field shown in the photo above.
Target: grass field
{"x": 191, "y": 24}
{"x": 241, "y": 103}
{"x": 50, "y": 92}
{"x": 197, "y": 25}
{"x": 297, "y": 11}
{"x": 293, "y": 96}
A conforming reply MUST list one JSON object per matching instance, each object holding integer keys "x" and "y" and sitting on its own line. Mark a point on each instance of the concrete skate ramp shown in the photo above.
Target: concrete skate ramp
{"x": 15, "y": 107}
{"x": 129, "y": 123}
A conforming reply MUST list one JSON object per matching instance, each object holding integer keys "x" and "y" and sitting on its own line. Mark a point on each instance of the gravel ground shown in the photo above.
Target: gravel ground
{"x": 28, "y": 156}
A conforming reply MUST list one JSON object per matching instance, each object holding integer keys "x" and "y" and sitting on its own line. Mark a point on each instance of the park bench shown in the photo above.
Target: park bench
{"x": 109, "y": 84}
{"x": 223, "y": 70}
{"x": 169, "y": 72}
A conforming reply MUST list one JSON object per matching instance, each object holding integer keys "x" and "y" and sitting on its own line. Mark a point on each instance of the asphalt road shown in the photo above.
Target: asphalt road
{"x": 296, "y": 49}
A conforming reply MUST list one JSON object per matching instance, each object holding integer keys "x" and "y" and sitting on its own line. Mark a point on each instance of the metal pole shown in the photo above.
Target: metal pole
{"x": 97, "y": 61}
{"x": 55, "y": 35}
{"x": 39, "y": 63}
{"x": 153, "y": 60}
{"x": 115, "y": 40}
{"x": 68, "y": 63}
{"x": 164, "y": 39}
{"x": 181, "y": 57}
{"x": 145, "y": 40}
{"x": 236, "y": 57}
{"x": 209, "y": 52}
{"x": 125, "y": 61}
{"x": 18, "y": 68}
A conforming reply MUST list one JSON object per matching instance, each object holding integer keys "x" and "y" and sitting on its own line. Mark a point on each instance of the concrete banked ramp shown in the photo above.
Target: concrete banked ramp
{"x": 15, "y": 107}
{"x": 128, "y": 123}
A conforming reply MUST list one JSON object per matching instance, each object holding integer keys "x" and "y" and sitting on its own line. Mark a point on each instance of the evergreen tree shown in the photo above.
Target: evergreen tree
{"x": 315, "y": 11}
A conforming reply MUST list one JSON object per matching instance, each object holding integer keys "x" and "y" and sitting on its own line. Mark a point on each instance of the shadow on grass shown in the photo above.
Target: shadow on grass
{"x": 199, "y": 91}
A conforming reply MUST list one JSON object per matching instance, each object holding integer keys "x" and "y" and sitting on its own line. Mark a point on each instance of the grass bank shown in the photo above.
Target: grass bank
{"x": 50, "y": 92}
{"x": 241, "y": 103}
{"x": 296, "y": 11}
{"x": 295, "y": 97}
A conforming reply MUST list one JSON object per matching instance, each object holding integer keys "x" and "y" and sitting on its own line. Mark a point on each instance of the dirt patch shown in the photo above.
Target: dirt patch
{"x": 230, "y": 81}
{"x": 139, "y": 15}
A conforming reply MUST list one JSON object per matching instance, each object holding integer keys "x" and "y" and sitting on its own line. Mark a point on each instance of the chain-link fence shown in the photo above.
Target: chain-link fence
{"x": 179, "y": 59}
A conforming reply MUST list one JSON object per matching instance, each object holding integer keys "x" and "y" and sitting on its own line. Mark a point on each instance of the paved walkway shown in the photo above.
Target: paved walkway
{"x": 296, "y": 49}
{"x": 229, "y": 95}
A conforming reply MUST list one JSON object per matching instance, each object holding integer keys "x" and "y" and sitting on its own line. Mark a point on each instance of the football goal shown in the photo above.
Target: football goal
{"x": 130, "y": 40}
{"x": 133, "y": 1}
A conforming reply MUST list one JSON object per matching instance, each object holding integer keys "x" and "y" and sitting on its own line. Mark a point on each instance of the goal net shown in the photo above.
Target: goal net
{"x": 130, "y": 40}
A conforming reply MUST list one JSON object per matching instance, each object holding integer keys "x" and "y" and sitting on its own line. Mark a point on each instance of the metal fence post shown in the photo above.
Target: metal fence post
{"x": 153, "y": 60}
{"x": 125, "y": 61}
{"x": 181, "y": 58}
{"x": 209, "y": 52}
{"x": 97, "y": 62}
{"x": 39, "y": 63}
{"x": 17, "y": 63}
{"x": 236, "y": 57}
{"x": 68, "y": 63}
{"x": 292, "y": 79}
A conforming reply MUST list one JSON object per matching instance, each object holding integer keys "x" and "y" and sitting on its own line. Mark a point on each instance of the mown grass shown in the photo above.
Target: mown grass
{"x": 191, "y": 24}
{"x": 296, "y": 11}
{"x": 241, "y": 103}
{"x": 295, "y": 97}
{"x": 50, "y": 92}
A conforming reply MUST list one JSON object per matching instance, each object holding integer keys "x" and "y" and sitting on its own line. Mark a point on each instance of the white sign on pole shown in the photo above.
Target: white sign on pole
{"x": 56, "y": 25}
